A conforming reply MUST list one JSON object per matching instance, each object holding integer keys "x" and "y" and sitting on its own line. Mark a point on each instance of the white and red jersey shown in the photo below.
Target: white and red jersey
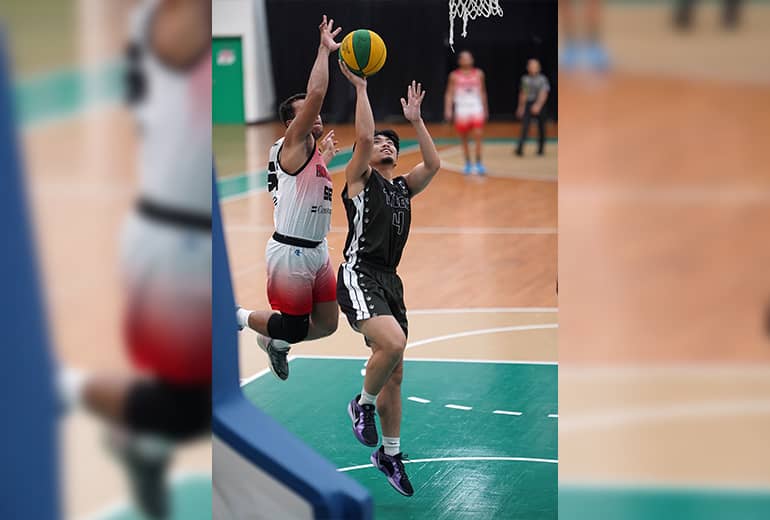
{"x": 302, "y": 199}
{"x": 467, "y": 94}
{"x": 173, "y": 110}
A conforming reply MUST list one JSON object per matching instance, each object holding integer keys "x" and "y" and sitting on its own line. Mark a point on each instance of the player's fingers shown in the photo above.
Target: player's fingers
{"x": 422, "y": 96}
{"x": 403, "y": 103}
{"x": 336, "y": 31}
{"x": 331, "y": 24}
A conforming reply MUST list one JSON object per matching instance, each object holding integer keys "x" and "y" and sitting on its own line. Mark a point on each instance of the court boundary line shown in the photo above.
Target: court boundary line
{"x": 456, "y": 168}
{"x": 256, "y": 376}
{"x": 483, "y": 310}
{"x": 459, "y": 459}
{"x": 481, "y": 332}
{"x": 434, "y": 360}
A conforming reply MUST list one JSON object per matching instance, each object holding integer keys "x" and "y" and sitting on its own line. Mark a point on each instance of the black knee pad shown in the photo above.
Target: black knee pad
{"x": 288, "y": 327}
{"x": 178, "y": 412}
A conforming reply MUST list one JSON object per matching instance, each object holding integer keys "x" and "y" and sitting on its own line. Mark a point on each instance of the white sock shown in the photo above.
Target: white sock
{"x": 367, "y": 398}
{"x": 391, "y": 445}
{"x": 242, "y": 315}
{"x": 70, "y": 383}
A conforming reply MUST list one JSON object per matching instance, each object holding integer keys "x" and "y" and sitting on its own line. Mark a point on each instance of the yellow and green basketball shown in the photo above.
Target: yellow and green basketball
{"x": 363, "y": 51}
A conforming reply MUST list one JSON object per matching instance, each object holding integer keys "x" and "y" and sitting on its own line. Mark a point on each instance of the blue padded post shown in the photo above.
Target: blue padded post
{"x": 28, "y": 442}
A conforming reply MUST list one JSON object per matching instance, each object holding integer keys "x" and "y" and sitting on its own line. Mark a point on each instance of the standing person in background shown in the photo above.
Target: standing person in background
{"x": 533, "y": 94}
{"x": 465, "y": 102}
{"x": 590, "y": 48}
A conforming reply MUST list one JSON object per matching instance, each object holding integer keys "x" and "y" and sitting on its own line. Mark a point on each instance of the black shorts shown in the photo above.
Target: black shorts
{"x": 364, "y": 292}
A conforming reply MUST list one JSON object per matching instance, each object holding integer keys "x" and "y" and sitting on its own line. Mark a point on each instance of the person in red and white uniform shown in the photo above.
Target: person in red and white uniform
{"x": 465, "y": 103}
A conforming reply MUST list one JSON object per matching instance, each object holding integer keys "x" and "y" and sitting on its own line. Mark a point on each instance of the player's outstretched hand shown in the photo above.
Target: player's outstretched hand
{"x": 411, "y": 105}
{"x": 357, "y": 81}
{"x": 328, "y": 147}
{"x": 328, "y": 33}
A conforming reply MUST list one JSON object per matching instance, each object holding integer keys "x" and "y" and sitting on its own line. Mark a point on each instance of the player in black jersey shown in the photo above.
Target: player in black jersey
{"x": 370, "y": 293}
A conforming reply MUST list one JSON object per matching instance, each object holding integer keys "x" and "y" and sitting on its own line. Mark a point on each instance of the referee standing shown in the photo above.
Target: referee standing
{"x": 533, "y": 94}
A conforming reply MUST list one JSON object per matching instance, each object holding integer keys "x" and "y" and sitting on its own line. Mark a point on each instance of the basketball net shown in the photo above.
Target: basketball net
{"x": 470, "y": 10}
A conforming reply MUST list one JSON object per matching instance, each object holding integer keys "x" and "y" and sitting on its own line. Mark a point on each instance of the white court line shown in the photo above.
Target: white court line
{"x": 506, "y": 412}
{"x": 480, "y": 332}
{"x": 459, "y": 459}
{"x": 458, "y": 407}
{"x": 483, "y": 310}
{"x": 256, "y": 376}
{"x": 418, "y": 399}
{"x": 436, "y": 360}
{"x": 418, "y": 230}
{"x": 553, "y": 415}
{"x": 679, "y": 411}
{"x": 451, "y": 166}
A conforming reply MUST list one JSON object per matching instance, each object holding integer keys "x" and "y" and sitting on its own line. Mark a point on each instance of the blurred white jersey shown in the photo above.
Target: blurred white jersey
{"x": 302, "y": 199}
{"x": 467, "y": 94}
{"x": 173, "y": 109}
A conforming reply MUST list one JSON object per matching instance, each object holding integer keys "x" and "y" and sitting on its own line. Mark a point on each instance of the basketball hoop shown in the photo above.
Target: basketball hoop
{"x": 470, "y": 10}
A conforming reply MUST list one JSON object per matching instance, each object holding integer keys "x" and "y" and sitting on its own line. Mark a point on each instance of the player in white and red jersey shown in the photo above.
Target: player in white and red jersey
{"x": 301, "y": 285}
{"x": 465, "y": 103}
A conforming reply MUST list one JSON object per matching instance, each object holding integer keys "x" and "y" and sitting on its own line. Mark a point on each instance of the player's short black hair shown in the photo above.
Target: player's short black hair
{"x": 390, "y": 134}
{"x": 286, "y": 109}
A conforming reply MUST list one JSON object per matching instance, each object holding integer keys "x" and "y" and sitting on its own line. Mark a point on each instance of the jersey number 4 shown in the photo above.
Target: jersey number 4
{"x": 398, "y": 221}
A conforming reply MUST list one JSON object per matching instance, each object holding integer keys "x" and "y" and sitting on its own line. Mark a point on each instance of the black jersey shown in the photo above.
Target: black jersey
{"x": 378, "y": 222}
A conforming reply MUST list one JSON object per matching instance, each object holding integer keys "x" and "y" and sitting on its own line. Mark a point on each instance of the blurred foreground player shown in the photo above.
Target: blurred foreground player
{"x": 166, "y": 257}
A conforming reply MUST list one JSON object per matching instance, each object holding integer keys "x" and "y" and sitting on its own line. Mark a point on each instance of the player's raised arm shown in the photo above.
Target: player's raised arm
{"x": 357, "y": 170}
{"x": 421, "y": 175}
{"x": 302, "y": 125}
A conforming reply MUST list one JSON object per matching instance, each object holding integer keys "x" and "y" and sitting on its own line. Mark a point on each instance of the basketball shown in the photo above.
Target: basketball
{"x": 363, "y": 51}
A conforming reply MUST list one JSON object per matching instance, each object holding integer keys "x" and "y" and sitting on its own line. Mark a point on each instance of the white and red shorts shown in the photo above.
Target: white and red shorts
{"x": 463, "y": 125}
{"x": 299, "y": 277}
{"x": 167, "y": 319}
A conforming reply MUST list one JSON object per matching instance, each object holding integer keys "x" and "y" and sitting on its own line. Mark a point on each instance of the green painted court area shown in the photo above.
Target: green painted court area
{"x": 191, "y": 500}
{"x": 664, "y": 503}
{"x": 312, "y": 405}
